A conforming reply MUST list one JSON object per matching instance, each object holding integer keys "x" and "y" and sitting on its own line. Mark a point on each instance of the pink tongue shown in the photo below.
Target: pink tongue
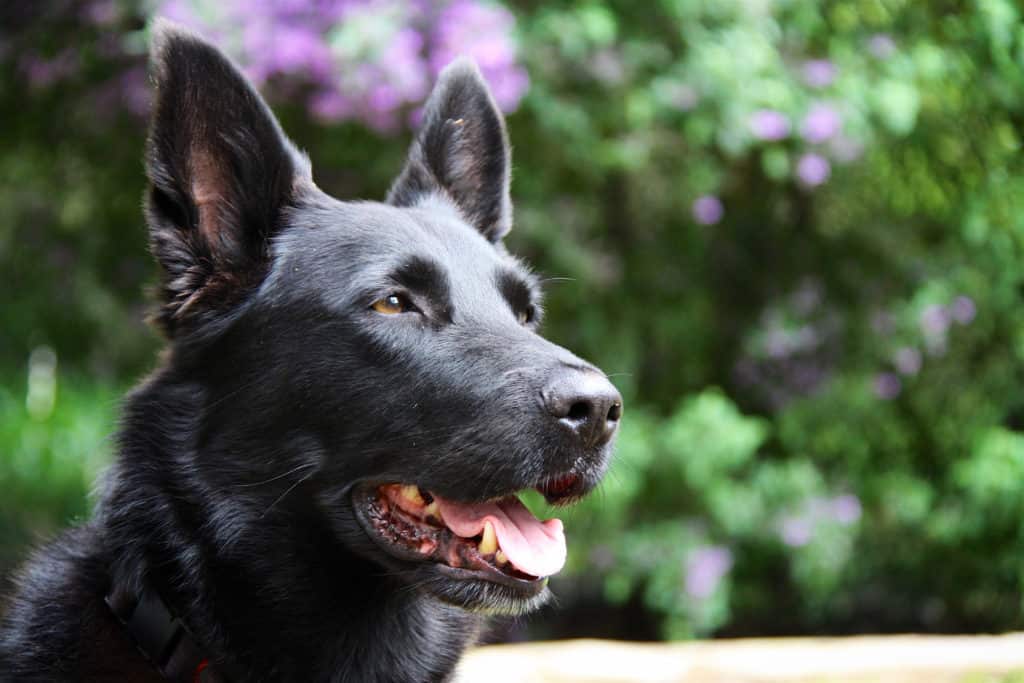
{"x": 532, "y": 546}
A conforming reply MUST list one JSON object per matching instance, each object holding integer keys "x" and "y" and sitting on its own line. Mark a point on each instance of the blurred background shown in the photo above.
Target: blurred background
{"x": 792, "y": 231}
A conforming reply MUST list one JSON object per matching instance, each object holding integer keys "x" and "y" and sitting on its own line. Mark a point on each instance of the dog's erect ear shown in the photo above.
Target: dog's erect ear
{"x": 220, "y": 173}
{"x": 461, "y": 151}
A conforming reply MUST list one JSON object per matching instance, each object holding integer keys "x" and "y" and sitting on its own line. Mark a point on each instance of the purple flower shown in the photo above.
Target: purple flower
{"x": 397, "y": 76}
{"x": 705, "y": 568}
{"x": 821, "y": 123}
{"x": 776, "y": 343}
{"x": 484, "y": 32}
{"x": 846, "y": 509}
{"x": 128, "y": 91}
{"x": 286, "y": 49}
{"x": 330, "y": 106}
{"x": 102, "y": 12}
{"x": 135, "y": 93}
{"x": 42, "y": 72}
{"x": 935, "y": 320}
{"x": 796, "y": 531}
{"x": 887, "y": 386}
{"x": 881, "y": 45}
{"x": 707, "y": 209}
{"x": 963, "y": 309}
{"x": 907, "y": 360}
{"x": 768, "y": 124}
{"x": 813, "y": 169}
{"x": 371, "y": 60}
{"x": 819, "y": 73}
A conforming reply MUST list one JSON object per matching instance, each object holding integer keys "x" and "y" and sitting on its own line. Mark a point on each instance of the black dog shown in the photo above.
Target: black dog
{"x": 318, "y": 483}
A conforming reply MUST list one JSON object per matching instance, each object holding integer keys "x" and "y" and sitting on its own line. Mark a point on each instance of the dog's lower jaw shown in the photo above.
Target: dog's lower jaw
{"x": 478, "y": 596}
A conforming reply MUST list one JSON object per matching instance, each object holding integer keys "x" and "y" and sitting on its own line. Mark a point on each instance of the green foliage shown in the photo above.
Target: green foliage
{"x": 826, "y": 310}
{"x": 824, "y": 423}
{"x": 54, "y": 450}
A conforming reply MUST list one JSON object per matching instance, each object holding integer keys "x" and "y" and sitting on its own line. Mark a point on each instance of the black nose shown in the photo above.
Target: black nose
{"x": 586, "y": 402}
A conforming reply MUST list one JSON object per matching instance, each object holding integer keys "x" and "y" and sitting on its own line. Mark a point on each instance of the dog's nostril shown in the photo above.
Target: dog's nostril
{"x": 580, "y": 410}
{"x": 585, "y": 402}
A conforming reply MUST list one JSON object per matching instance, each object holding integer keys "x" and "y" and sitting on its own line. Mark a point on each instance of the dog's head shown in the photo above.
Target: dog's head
{"x": 370, "y": 368}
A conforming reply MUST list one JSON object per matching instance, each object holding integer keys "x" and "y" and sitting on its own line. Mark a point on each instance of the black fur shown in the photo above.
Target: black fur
{"x": 282, "y": 391}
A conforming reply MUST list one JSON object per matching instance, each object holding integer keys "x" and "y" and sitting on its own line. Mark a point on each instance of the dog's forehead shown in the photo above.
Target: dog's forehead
{"x": 355, "y": 244}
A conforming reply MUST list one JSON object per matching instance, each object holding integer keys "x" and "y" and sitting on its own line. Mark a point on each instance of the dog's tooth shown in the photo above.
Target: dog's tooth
{"x": 489, "y": 544}
{"x": 432, "y": 510}
{"x": 412, "y": 494}
{"x": 500, "y": 557}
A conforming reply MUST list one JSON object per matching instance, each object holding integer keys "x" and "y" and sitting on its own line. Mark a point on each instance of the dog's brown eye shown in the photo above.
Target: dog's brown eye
{"x": 392, "y": 304}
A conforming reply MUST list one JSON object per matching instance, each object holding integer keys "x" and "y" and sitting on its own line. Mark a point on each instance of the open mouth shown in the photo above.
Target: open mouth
{"x": 498, "y": 540}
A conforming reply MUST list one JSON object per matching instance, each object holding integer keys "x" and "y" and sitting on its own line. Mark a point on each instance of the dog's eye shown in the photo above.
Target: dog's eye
{"x": 392, "y": 304}
{"x": 527, "y": 315}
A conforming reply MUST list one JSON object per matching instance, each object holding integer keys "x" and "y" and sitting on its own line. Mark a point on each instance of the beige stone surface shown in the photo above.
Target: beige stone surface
{"x": 868, "y": 659}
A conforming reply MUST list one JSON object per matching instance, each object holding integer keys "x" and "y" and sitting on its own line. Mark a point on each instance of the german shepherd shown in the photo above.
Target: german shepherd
{"x": 319, "y": 481}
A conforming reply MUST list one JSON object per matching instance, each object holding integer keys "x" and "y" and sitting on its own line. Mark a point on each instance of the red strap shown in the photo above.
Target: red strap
{"x": 199, "y": 670}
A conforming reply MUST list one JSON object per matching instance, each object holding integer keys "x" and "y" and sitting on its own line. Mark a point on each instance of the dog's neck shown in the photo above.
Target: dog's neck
{"x": 324, "y": 614}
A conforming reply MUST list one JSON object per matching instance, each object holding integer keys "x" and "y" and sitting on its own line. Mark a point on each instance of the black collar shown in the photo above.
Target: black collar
{"x": 161, "y": 636}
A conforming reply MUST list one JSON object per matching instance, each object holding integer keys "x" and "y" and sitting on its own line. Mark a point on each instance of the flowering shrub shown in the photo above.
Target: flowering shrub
{"x": 344, "y": 59}
{"x": 359, "y": 59}
{"x": 776, "y": 219}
